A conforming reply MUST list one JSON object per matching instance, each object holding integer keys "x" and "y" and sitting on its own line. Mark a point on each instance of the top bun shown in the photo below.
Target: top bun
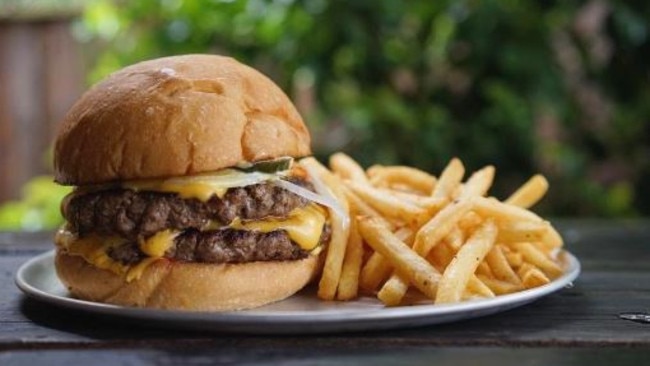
{"x": 176, "y": 116}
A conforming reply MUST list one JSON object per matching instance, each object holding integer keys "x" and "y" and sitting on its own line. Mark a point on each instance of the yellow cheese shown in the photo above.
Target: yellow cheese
{"x": 157, "y": 245}
{"x": 202, "y": 186}
{"x": 304, "y": 226}
{"x": 94, "y": 250}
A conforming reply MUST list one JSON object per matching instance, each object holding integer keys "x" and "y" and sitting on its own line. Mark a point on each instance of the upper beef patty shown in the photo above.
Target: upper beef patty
{"x": 139, "y": 214}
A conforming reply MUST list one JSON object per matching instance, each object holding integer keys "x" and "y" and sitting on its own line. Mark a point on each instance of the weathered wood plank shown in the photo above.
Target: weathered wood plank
{"x": 316, "y": 354}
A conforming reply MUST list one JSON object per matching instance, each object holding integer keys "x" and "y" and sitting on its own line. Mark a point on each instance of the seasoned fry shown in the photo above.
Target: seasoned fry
{"x": 476, "y": 287}
{"x": 449, "y": 180}
{"x": 515, "y": 260}
{"x": 349, "y": 283}
{"x": 460, "y": 270}
{"x": 389, "y": 206}
{"x": 455, "y": 238}
{"x": 393, "y": 292}
{"x": 390, "y": 176}
{"x": 531, "y": 276}
{"x": 502, "y": 212}
{"x": 478, "y": 183}
{"x": 377, "y": 268}
{"x": 440, "y": 226}
{"x": 500, "y": 266}
{"x": 500, "y": 287}
{"x": 536, "y": 257}
{"x": 531, "y": 192}
{"x": 518, "y": 231}
{"x": 346, "y": 168}
{"x": 362, "y": 208}
{"x": 407, "y": 263}
{"x": 340, "y": 231}
{"x": 429, "y": 203}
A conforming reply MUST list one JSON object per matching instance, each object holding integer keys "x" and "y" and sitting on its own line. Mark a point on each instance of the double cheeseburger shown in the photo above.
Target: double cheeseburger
{"x": 188, "y": 194}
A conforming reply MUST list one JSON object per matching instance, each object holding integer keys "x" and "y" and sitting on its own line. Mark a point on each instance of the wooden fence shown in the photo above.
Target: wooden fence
{"x": 41, "y": 75}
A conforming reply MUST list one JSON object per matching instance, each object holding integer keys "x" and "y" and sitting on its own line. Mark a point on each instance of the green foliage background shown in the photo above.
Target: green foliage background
{"x": 557, "y": 87}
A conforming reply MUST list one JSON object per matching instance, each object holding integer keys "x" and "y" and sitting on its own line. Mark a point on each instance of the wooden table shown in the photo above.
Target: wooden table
{"x": 580, "y": 325}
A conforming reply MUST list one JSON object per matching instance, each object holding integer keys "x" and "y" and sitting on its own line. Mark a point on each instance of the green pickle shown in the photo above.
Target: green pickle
{"x": 267, "y": 166}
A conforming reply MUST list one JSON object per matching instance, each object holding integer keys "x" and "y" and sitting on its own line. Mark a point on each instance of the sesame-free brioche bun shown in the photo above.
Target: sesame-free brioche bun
{"x": 175, "y": 285}
{"x": 176, "y": 116}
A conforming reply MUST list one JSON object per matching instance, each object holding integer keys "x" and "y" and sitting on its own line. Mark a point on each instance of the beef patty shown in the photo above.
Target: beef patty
{"x": 139, "y": 214}
{"x": 224, "y": 246}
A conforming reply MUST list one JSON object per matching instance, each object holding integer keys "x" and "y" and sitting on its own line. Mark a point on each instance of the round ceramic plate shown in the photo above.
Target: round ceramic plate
{"x": 301, "y": 313}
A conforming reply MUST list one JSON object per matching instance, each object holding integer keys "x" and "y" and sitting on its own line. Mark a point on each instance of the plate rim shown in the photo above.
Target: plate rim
{"x": 295, "y": 317}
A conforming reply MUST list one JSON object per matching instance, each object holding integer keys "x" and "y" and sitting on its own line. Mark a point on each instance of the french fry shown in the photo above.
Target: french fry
{"x": 377, "y": 268}
{"x": 515, "y": 260}
{"x": 500, "y": 267}
{"x": 440, "y": 226}
{"x": 536, "y": 257}
{"x": 429, "y": 203}
{"x": 348, "y": 288}
{"x": 407, "y": 263}
{"x": 346, "y": 168}
{"x": 336, "y": 249}
{"x": 531, "y": 276}
{"x": 476, "y": 286}
{"x": 499, "y": 287}
{"x": 518, "y": 231}
{"x": 393, "y": 292}
{"x": 391, "y": 176}
{"x": 478, "y": 183}
{"x": 449, "y": 180}
{"x": 455, "y": 238}
{"x": 462, "y": 267}
{"x": 388, "y": 206}
{"x": 362, "y": 208}
{"x": 484, "y": 269}
{"x": 500, "y": 211}
{"x": 529, "y": 193}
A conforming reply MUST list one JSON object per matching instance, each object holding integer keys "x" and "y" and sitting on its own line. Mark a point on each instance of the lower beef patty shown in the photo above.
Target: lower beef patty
{"x": 140, "y": 214}
{"x": 224, "y": 246}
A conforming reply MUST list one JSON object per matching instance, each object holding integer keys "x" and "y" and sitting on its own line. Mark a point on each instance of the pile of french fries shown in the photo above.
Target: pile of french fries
{"x": 411, "y": 235}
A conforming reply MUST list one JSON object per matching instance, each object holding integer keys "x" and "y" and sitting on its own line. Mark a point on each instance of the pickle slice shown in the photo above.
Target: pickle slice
{"x": 267, "y": 166}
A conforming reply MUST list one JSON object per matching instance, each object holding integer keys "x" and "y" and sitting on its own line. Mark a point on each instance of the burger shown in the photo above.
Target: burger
{"x": 188, "y": 191}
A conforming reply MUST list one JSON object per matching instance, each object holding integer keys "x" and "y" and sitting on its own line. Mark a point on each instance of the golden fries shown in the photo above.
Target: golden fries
{"x": 407, "y": 263}
{"x": 349, "y": 282}
{"x": 449, "y": 180}
{"x": 340, "y": 231}
{"x": 346, "y": 168}
{"x": 402, "y": 177}
{"x": 531, "y": 192}
{"x": 462, "y": 267}
{"x": 432, "y": 238}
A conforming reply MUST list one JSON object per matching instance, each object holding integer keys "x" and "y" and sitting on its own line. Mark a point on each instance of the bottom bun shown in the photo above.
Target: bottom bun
{"x": 176, "y": 285}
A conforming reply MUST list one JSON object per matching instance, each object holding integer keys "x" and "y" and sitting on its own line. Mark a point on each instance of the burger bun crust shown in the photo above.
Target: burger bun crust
{"x": 174, "y": 285}
{"x": 176, "y": 116}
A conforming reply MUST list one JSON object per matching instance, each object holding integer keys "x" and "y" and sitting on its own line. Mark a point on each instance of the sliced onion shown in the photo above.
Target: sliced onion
{"x": 325, "y": 196}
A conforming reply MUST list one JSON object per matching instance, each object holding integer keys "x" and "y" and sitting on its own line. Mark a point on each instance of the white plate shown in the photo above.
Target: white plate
{"x": 302, "y": 313}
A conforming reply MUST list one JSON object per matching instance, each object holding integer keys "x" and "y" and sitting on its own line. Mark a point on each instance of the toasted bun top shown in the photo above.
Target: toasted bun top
{"x": 176, "y": 116}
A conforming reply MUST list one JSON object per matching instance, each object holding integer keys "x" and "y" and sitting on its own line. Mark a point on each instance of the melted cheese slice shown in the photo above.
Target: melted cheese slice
{"x": 304, "y": 226}
{"x": 202, "y": 186}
